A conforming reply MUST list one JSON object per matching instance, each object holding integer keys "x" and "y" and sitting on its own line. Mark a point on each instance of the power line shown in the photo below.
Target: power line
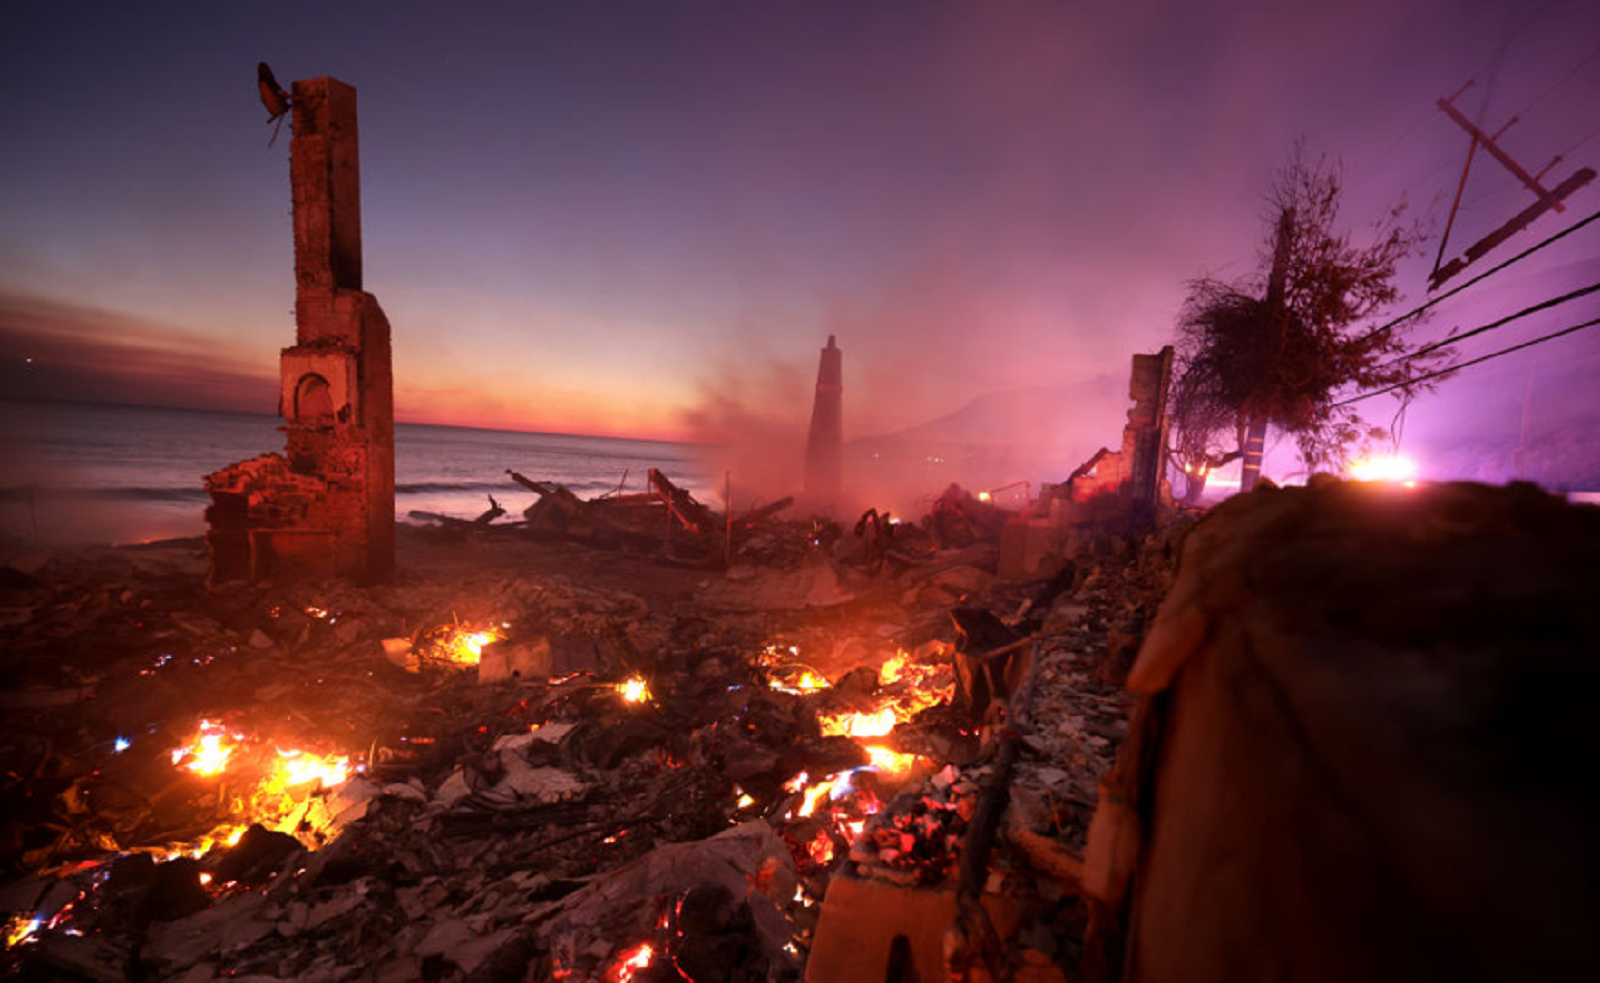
{"x": 1492, "y": 325}
{"x": 1481, "y": 276}
{"x": 1563, "y": 80}
{"x": 1480, "y": 359}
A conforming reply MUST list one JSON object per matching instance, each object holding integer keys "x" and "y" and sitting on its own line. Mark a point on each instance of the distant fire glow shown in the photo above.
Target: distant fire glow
{"x": 1395, "y": 468}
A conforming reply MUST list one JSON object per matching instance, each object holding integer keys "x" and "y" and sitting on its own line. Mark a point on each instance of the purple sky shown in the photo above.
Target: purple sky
{"x": 645, "y": 218}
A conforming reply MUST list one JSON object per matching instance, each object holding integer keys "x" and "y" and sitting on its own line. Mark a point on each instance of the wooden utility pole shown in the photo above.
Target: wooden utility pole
{"x": 1548, "y": 200}
{"x": 1255, "y": 440}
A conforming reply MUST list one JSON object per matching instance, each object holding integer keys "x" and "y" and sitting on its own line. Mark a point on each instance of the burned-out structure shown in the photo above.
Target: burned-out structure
{"x": 326, "y": 505}
{"x": 1127, "y": 484}
{"x": 824, "y": 444}
{"x": 1114, "y": 490}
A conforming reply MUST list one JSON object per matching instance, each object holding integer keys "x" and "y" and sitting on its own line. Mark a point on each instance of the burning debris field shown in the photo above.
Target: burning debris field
{"x": 531, "y": 759}
{"x": 538, "y": 761}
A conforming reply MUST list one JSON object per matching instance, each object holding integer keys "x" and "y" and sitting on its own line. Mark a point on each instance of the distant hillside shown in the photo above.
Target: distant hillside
{"x": 1034, "y": 434}
{"x": 1024, "y": 415}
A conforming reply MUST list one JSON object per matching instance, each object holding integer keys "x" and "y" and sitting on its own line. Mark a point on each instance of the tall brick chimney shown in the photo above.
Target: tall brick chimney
{"x": 325, "y": 507}
{"x": 824, "y": 445}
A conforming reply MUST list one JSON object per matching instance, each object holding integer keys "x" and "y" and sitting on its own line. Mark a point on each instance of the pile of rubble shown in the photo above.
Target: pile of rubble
{"x": 544, "y": 778}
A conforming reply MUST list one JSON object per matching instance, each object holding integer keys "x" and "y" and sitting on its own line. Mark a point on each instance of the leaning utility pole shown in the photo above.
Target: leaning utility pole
{"x": 1548, "y": 199}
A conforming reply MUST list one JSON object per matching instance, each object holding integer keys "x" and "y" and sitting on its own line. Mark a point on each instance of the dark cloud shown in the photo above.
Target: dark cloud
{"x": 54, "y": 350}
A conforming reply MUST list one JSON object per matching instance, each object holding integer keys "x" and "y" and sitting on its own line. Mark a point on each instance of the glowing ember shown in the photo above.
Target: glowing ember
{"x": 858, "y": 724}
{"x": 892, "y": 669}
{"x": 631, "y": 961}
{"x": 891, "y": 761}
{"x": 814, "y": 794}
{"x": 1396, "y": 467}
{"x": 465, "y": 648}
{"x": 209, "y": 752}
{"x": 20, "y": 929}
{"x": 797, "y": 679}
{"x": 298, "y": 768}
{"x": 634, "y": 689}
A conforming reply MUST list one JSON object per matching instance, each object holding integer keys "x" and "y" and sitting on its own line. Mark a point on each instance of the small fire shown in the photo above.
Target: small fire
{"x": 858, "y": 724}
{"x": 267, "y": 785}
{"x": 20, "y": 928}
{"x": 631, "y": 961}
{"x": 209, "y": 752}
{"x": 465, "y": 648}
{"x": 798, "y": 680}
{"x": 821, "y": 851}
{"x": 891, "y": 761}
{"x": 298, "y": 768}
{"x": 814, "y": 794}
{"x": 634, "y": 689}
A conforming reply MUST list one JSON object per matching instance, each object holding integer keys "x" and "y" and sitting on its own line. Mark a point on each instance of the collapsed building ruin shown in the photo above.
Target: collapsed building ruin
{"x": 326, "y": 506}
{"x": 1119, "y": 490}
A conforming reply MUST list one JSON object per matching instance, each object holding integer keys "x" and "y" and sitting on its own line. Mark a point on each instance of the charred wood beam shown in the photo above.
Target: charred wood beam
{"x": 972, "y": 936}
{"x": 765, "y": 512}
{"x": 537, "y": 487}
{"x": 691, "y": 514}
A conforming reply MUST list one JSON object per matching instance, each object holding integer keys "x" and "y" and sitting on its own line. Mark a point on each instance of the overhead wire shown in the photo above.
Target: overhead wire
{"x": 1573, "y": 329}
{"x": 1493, "y": 325}
{"x": 1563, "y": 80}
{"x": 1390, "y": 325}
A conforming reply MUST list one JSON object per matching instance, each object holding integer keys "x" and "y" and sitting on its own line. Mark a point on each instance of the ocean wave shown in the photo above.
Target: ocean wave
{"x": 446, "y": 487}
{"x": 197, "y": 493}
{"x": 26, "y": 493}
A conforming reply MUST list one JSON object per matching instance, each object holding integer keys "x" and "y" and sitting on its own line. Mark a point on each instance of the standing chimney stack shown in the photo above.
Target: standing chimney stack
{"x": 824, "y": 446}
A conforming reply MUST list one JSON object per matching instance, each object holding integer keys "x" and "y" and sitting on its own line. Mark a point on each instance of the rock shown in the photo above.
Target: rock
{"x": 261, "y": 640}
{"x": 256, "y": 857}
{"x": 227, "y": 927}
{"x": 452, "y": 789}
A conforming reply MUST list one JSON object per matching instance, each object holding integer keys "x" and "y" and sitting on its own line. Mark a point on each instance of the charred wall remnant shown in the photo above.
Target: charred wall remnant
{"x": 1122, "y": 489}
{"x": 1128, "y": 484}
{"x": 325, "y": 506}
{"x": 824, "y": 452}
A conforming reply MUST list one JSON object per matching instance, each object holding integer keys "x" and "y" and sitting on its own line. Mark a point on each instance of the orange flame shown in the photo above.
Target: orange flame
{"x": 209, "y": 752}
{"x": 631, "y": 961}
{"x": 814, "y": 794}
{"x": 891, "y": 761}
{"x": 634, "y": 689}
{"x": 298, "y": 768}
{"x": 857, "y": 724}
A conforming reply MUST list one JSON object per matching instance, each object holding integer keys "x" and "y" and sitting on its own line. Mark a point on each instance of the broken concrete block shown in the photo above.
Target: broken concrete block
{"x": 530, "y": 658}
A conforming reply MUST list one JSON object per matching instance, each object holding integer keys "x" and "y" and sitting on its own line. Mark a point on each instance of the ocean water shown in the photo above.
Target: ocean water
{"x": 121, "y": 474}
